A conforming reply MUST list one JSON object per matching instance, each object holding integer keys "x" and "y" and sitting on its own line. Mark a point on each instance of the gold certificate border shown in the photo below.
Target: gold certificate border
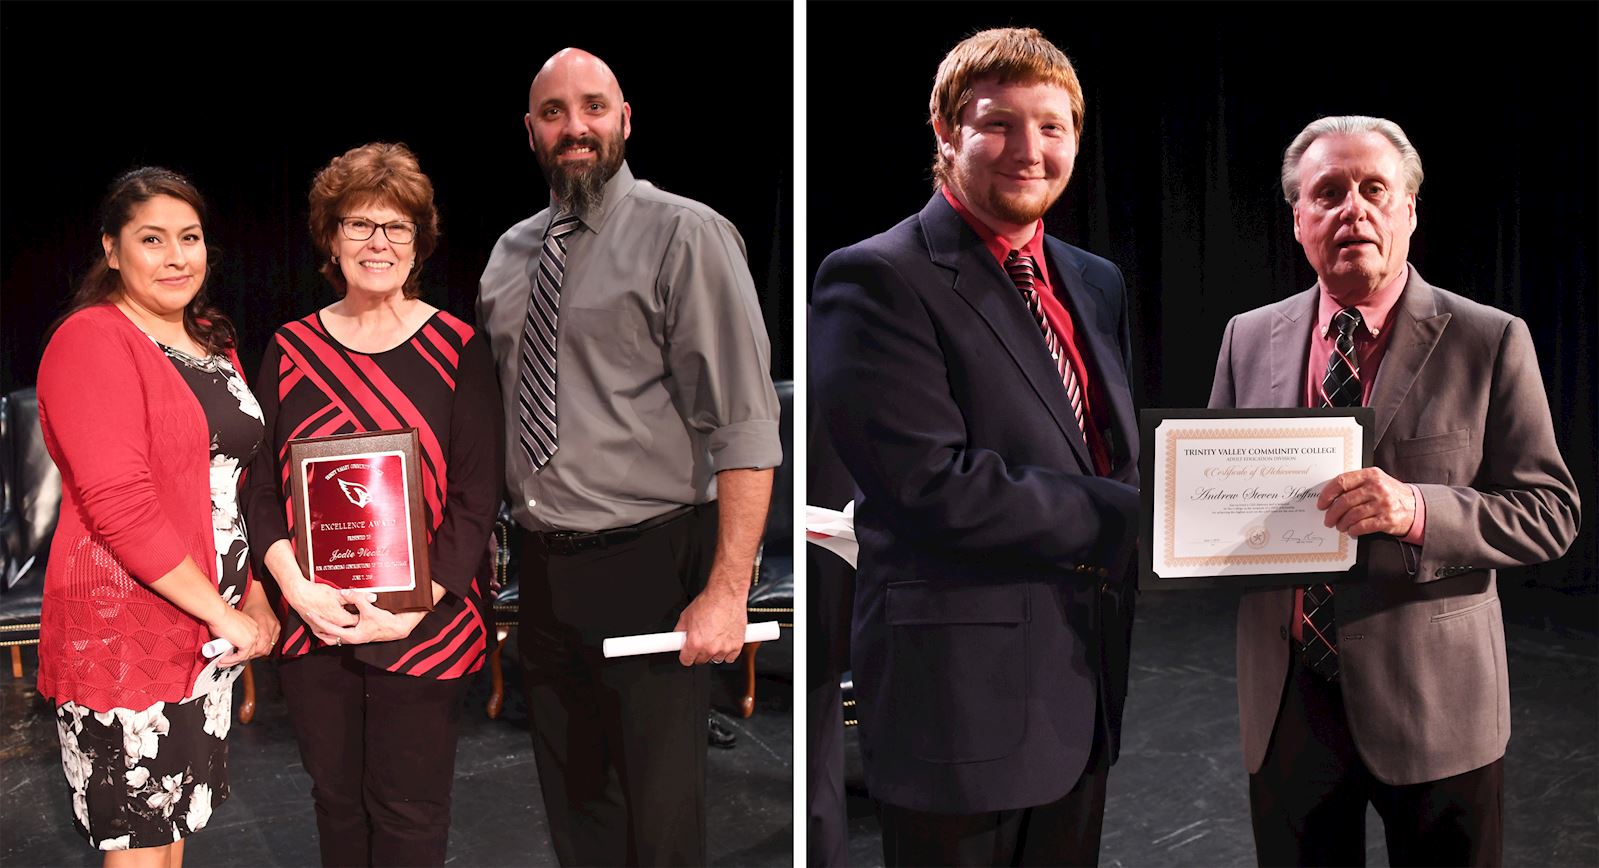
{"x": 1170, "y": 472}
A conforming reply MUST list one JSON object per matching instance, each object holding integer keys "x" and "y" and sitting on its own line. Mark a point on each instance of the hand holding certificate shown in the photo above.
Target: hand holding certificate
{"x": 1234, "y": 494}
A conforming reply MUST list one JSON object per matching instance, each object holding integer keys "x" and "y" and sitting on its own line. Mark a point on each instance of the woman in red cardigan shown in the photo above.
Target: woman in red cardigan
{"x": 143, "y": 409}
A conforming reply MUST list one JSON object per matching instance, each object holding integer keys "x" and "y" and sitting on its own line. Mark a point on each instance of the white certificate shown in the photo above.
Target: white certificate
{"x": 1237, "y": 496}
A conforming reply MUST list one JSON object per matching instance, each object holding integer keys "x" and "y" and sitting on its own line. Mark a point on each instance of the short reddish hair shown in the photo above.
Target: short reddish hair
{"x": 377, "y": 173}
{"x": 1007, "y": 55}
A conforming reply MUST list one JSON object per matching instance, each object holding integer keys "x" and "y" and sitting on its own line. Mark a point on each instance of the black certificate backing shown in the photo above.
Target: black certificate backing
{"x": 1149, "y": 420}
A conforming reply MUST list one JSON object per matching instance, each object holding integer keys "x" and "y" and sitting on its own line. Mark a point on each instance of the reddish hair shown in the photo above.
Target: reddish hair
{"x": 1008, "y": 55}
{"x": 377, "y": 173}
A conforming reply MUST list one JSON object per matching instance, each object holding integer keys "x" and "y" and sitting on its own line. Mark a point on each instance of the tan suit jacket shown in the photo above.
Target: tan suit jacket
{"x": 1461, "y": 413}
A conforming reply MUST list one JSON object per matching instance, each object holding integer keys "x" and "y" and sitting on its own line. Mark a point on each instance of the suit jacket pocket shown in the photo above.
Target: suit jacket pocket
{"x": 959, "y": 683}
{"x": 1456, "y": 613}
{"x": 1432, "y": 444}
{"x": 1461, "y": 681}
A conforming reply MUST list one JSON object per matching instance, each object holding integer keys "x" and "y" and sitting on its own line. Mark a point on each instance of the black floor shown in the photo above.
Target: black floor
{"x": 498, "y": 815}
{"x": 1178, "y": 795}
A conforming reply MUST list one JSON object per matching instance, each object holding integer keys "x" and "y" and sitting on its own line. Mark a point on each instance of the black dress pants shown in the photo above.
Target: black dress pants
{"x": 1308, "y": 801}
{"x": 1063, "y": 832}
{"x": 380, "y": 750}
{"x": 620, "y": 744}
{"x": 827, "y": 824}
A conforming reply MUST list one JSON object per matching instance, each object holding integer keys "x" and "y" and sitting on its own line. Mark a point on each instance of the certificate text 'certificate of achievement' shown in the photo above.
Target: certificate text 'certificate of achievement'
{"x": 358, "y": 516}
{"x": 1236, "y": 496}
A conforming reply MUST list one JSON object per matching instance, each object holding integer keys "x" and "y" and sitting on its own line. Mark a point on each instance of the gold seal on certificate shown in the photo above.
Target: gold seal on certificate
{"x": 1230, "y": 495}
{"x": 358, "y": 517}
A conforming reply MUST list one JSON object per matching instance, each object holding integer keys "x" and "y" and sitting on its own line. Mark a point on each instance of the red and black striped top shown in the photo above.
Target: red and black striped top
{"x": 442, "y": 382}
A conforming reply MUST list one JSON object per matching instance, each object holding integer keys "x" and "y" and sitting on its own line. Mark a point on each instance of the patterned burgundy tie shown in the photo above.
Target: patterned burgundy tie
{"x": 1023, "y": 273}
{"x": 1340, "y": 387}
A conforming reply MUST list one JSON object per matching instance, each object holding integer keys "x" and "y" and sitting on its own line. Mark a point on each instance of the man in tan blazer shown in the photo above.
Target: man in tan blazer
{"x": 1391, "y": 690}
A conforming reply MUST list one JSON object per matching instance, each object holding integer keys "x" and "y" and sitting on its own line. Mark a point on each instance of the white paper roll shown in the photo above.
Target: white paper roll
{"x": 216, "y": 648}
{"x": 657, "y": 643}
{"x": 833, "y": 530}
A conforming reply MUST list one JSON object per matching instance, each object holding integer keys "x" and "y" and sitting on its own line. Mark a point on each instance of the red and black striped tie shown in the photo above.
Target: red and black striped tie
{"x": 1023, "y": 272}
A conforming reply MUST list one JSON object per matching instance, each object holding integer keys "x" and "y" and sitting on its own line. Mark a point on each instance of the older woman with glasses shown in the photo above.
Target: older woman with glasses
{"x": 374, "y": 696}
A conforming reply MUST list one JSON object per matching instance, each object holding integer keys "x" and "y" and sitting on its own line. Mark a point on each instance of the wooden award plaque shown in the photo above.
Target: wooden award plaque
{"x": 359, "y": 523}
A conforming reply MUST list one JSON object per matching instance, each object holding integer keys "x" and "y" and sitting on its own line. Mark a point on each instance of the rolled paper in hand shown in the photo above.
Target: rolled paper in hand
{"x": 216, "y": 648}
{"x": 657, "y": 643}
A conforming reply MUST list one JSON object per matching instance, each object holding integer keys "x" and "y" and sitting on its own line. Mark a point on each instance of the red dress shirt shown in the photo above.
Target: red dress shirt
{"x": 1060, "y": 320}
{"x": 1371, "y": 344}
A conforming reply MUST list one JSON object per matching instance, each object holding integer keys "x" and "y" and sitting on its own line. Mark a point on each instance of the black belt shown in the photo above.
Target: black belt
{"x": 569, "y": 542}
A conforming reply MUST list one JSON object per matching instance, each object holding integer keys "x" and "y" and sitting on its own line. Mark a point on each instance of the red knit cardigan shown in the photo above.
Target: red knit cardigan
{"x": 133, "y": 448}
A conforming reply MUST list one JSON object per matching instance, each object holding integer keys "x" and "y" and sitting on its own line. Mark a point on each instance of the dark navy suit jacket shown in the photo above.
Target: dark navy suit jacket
{"x": 993, "y": 601}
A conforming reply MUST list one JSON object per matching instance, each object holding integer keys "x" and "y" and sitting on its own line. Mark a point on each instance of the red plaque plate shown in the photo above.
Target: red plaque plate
{"x": 359, "y": 522}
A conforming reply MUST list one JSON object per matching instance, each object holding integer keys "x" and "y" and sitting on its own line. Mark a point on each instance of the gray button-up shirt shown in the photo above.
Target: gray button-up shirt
{"x": 663, "y": 370}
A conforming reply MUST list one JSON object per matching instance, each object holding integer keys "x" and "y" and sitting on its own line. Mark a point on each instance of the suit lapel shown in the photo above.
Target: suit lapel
{"x": 1100, "y": 348}
{"x": 980, "y": 281}
{"x": 1417, "y": 325}
{"x": 1290, "y": 344}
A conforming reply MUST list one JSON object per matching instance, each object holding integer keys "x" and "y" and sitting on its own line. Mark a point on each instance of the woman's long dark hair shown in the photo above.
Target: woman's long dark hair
{"x": 205, "y": 324}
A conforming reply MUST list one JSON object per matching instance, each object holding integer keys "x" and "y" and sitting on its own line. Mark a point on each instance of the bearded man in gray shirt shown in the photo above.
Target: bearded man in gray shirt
{"x": 642, "y": 429}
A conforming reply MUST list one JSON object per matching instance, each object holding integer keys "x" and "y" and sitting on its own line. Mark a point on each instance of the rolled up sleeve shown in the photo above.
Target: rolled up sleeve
{"x": 718, "y": 353}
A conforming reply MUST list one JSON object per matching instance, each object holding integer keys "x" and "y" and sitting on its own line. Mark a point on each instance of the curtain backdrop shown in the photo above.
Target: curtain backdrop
{"x": 250, "y": 99}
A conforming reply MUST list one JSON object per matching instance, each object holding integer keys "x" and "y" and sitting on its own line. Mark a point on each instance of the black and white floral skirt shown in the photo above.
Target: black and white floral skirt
{"x": 148, "y": 778}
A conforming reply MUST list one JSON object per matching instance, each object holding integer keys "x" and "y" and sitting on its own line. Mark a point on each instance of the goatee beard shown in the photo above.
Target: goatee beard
{"x": 581, "y": 189}
{"x": 1018, "y": 210}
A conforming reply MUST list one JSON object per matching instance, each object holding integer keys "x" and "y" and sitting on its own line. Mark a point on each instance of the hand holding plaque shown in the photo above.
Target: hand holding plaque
{"x": 374, "y": 624}
{"x": 359, "y": 521}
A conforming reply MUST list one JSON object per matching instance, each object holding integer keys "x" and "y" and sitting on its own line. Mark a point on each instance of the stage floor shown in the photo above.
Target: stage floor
{"x": 497, "y": 817}
{"x": 1179, "y": 794}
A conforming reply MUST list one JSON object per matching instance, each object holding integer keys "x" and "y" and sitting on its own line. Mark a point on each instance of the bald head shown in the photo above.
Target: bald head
{"x": 573, "y": 64}
{"x": 577, "y": 125}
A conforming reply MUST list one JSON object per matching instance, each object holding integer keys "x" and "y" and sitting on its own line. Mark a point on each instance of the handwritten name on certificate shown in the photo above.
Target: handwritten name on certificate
{"x": 1237, "y": 497}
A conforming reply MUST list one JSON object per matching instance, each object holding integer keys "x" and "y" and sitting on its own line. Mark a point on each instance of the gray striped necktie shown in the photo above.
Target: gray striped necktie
{"x": 535, "y": 386}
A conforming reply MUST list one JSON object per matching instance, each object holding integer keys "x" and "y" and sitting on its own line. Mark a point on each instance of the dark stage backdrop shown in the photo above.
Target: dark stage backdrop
{"x": 250, "y": 99}
{"x": 1189, "y": 109}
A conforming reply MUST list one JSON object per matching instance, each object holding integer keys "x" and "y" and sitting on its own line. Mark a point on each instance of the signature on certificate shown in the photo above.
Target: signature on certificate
{"x": 1310, "y": 539}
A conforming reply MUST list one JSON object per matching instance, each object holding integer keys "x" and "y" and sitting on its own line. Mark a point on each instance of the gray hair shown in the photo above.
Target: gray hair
{"x": 1409, "y": 159}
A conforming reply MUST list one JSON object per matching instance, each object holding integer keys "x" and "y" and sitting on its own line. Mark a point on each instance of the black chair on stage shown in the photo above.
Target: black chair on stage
{"x": 30, "y": 502}
{"x": 771, "y": 591}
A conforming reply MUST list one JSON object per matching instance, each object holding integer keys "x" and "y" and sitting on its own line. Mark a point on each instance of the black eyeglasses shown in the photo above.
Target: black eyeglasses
{"x": 360, "y": 229}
